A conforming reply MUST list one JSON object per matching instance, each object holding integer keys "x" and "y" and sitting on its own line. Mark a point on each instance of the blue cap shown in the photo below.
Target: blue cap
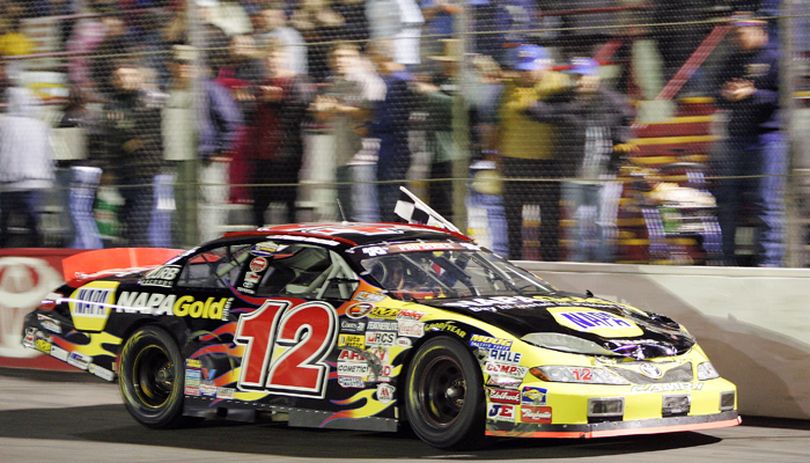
{"x": 584, "y": 67}
{"x": 530, "y": 57}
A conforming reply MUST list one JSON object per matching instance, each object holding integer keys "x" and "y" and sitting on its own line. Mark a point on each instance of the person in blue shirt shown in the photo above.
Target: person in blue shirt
{"x": 389, "y": 124}
{"x": 753, "y": 165}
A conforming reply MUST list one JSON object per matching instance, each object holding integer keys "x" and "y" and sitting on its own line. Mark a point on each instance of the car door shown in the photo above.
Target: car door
{"x": 293, "y": 332}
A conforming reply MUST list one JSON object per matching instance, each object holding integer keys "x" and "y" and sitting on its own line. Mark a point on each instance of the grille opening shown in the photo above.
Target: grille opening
{"x": 727, "y": 401}
{"x": 602, "y": 410}
{"x": 676, "y": 405}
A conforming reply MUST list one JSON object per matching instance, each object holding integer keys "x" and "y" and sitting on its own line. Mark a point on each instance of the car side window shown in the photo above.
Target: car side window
{"x": 214, "y": 268}
{"x": 308, "y": 272}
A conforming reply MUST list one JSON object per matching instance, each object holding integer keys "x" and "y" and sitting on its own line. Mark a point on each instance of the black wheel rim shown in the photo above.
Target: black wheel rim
{"x": 440, "y": 391}
{"x": 153, "y": 376}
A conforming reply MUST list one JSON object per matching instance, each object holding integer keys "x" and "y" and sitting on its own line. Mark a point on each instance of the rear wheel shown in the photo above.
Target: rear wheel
{"x": 151, "y": 377}
{"x": 445, "y": 398}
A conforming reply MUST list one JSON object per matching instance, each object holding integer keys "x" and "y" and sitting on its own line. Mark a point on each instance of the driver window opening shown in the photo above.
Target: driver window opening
{"x": 308, "y": 272}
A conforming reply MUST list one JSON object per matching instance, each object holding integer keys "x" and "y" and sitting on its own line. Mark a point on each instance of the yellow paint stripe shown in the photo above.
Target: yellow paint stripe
{"x": 675, "y": 140}
{"x": 684, "y": 120}
{"x": 697, "y": 100}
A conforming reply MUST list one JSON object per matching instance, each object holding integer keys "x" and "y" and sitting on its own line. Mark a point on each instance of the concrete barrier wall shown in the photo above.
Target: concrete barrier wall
{"x": 753, "y": 323}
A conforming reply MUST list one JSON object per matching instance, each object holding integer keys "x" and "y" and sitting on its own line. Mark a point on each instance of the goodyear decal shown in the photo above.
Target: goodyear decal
{"x": 90, "y": 305}
{"x": 595, "y": 321}
{"x": 446, "y": 326}
{"x": 211, "y": 308}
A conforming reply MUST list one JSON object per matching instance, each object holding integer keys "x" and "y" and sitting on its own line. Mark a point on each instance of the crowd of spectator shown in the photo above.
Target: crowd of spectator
{"x": 210, "y": 102}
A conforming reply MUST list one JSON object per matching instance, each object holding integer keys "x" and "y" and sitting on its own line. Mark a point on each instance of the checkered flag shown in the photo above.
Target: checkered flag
{"x": 412, "y": 210}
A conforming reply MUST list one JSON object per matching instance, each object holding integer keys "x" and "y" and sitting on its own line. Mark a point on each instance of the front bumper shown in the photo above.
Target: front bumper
{"x": 620, "y": 428}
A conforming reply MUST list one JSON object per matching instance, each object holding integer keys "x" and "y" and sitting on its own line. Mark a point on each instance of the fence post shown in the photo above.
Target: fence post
{"x": 793, "y": 221}
{"x": 461, "y": 129}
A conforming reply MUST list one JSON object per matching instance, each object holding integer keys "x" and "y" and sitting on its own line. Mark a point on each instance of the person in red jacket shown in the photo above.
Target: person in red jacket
{"x": 275, "y": 141}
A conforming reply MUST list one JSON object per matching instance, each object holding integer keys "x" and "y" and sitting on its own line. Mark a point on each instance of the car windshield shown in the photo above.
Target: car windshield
{"x": 425, "y": 271}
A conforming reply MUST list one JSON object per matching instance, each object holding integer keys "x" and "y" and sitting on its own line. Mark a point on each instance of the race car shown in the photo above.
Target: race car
{"x": 370, "y": 326}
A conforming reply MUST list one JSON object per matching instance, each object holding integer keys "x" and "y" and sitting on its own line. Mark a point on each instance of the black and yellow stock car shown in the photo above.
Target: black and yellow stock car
{"x": 368, "y": 326}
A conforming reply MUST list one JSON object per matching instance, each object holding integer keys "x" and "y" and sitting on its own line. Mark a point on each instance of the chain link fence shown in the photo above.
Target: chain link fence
{"x": 633, "y": 131}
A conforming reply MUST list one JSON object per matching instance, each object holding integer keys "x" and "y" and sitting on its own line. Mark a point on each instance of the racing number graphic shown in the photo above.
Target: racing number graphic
{"x": 286, "y": 347}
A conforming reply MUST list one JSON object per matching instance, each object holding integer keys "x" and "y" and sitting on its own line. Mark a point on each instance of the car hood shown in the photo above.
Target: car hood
{"x": 619, "y": 328}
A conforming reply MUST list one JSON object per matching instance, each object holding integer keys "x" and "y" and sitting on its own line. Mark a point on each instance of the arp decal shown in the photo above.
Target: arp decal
{"x": 595, "y": 321}
{"x": 91, "y": 304}
{"x": 286, "y": 347}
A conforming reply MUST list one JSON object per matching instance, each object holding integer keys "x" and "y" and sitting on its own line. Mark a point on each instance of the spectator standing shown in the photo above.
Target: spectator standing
{"x": 527, "y": 151}
{"x": 389, "y": 124}
{"x": 320, "y": 24}
{"x": 241, "y": 75}
{"x": 26, "y": 161}
{"x": 207, "y": 133}
{"x": 133, "y": 148}
{"x": 755, "y": 159}
{"x": 273, "y": 23}
{"x": 13, "y": 42}
{"x": 276, "y": 140}
{"x": 440, "y": 17}
{"x": 440, "y": 96}
{"x": 398, "y": 22}
{"x": 345, "y": 106}
{"x": 593, "y": 124}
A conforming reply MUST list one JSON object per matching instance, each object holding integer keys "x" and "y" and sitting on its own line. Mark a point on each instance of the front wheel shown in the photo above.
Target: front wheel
{"x": 151, "y": 377}
{"x": 445, "y": 398}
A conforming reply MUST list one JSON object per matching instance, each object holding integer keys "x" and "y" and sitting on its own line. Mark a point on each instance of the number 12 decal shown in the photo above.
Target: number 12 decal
{"x": 286, "y": 347}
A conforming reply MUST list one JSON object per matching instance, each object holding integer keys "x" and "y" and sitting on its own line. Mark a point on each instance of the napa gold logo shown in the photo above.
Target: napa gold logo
{"x": 212, "y": 308}
{"x": 91, "y": 304}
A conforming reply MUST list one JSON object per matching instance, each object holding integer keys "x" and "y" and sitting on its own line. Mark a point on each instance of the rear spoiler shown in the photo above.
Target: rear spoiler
{"x": 115, "y": 260}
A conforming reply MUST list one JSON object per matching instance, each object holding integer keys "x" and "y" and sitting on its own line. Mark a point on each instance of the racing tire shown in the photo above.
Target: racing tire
{"x": 444, "y": 401}
{"x": 151, "y": 378}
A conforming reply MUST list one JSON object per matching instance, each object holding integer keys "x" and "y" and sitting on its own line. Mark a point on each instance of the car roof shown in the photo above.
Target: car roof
{"x": 356, "y": 233}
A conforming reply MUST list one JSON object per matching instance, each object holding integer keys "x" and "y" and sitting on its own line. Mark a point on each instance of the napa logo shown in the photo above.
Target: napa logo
{"x": 598, "y": 322}
{"x": 91, "y": 304}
